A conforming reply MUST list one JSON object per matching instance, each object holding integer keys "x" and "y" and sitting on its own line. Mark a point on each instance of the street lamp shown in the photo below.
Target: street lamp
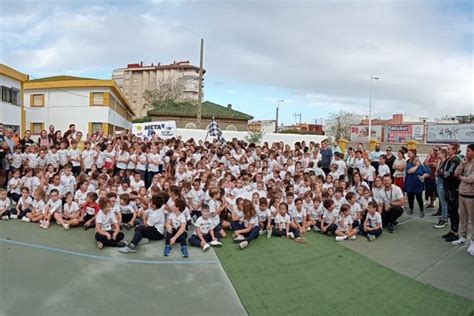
{"x": 372, "y": 78}
{"x": 277, "y": 109}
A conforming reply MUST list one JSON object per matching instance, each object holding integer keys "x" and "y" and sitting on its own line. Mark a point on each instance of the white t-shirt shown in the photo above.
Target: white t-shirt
{"x": 68, "y": 182}
{"x": 54, "y": 206}
{"x": 14, "y": 182}
{"x": 253, "y": 221}
{"x": 154, "y": 162}
{"x": 38, "y": 205}
{"x": 24, "y": 202}
{"x": 156, "y": 218}
{"x": 99, "y": 159}
{"x": 263, "y": 215}
{"x": 80, "y": 197}
{"x": 283, "y": 220}
{"x": 136, "y": 185}
{"x": 88, "y": 158}
{"x": 329, "y": 216}
{"x": 213, "y": 207}
{"x": 205, "y": 225}
{"x": 70, "y": 208}
{"x": 383, "y": 170}
{"x": 177, "y": 220}
{"x": 75, "y": 154}
{"x": 4, "y": 204}
{"x": 299, "y": 216}
{"x": 106, "y": 221}
{"x": 197, "y": 197}
{"x": 344, "y": 223}
{"x": 374, "y": 220}
{"x": 63, "y": 156}
{"x": 386, "y": 197}
{"x": 123, "y": 155}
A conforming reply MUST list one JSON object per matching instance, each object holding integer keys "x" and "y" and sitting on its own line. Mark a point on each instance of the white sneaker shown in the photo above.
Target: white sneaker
{"x": 5, "y": 218}
{"x": 341, "y": 238}
{"x": 353, "y": 237}
{"x": 144, "y": 241}
{"x": 316, "y": 229}
{"x": 239, "y": 238}
{"x": 206, "y": 247}
{"x": 470, "y": 250}
{"x": 66, "y": 226}
{"x": 25, "y": 219}
{"x": 244, "y": 244}
{"x": 291, "y": 235}
{"x": 41, "y": 221}
{"x": 215, "y": 243}
{"x": 13, "y": 216}
{"x": 308, "y": 229}
{"x": 269, "y": 233}
{"x": 261, "y": 232}
{"x": 458, "y": 242}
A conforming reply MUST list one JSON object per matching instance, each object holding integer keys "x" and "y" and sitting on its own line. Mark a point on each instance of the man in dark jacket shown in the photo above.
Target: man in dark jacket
{"x": 451, "y": 188}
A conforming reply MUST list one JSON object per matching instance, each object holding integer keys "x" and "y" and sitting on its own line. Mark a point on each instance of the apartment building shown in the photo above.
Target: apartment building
{"x": 12, "y": 113}
{"x": 137, "y": 78}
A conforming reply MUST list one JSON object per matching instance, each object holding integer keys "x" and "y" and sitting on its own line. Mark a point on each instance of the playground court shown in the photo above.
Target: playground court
{"x": 412, "y": 271}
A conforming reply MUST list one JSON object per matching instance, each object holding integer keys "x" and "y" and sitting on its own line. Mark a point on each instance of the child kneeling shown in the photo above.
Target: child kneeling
{"x": 107, "y": 229}
{"x": 204, "y": 235}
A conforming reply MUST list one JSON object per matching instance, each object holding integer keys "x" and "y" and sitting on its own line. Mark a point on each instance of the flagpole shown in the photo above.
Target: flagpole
{"x": 199, "y": 109}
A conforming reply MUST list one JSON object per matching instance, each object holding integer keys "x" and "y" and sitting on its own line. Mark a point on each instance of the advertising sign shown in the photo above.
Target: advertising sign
{"x": 164, "y": 130}
{"x": 447, "y": 133}
{"x": 400, "y": 133}
{"x": 361, "y": 133}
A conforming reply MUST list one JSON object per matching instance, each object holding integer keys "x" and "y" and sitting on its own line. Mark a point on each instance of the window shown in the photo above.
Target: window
{"x": 6, "y": 94}
{"x": 95, "y": 127}
{"x": 37, "y": 100}
{"x": 98, "y": 98}
{"x": 36, "y": 128}
{"x": 15, "y": 96}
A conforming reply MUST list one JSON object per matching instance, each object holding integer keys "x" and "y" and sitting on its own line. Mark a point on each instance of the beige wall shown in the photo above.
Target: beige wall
{"x": 224, "y": 124}
{"x": 134, "y": 81}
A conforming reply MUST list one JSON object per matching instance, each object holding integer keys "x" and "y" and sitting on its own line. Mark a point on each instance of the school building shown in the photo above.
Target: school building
{"x": 12, "y": 112}
{"x": 90, "y": 104}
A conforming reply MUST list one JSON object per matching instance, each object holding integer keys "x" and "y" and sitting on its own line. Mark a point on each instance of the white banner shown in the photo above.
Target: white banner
{"x": 361, "y": 133}
{"x": 164, "y": 130}
{"x": 446, "y": 133}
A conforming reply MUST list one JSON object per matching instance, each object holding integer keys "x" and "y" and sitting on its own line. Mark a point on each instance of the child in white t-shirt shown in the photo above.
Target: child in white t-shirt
{"x": 4, "y": 205}
{"x": 107, "y": 229}
{"x": 344, "y": 224}
{"x": 37, "y": 207}
{"x": 373, "y": 222}
{"x": 203, "y": 235}
{"x": 176, "y": 229}
{"x": 71, "y": 215}
{"x": 54, "y": 205}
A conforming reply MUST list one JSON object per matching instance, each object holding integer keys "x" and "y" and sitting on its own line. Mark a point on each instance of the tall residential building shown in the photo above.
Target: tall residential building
{"x": 137, "y": 78}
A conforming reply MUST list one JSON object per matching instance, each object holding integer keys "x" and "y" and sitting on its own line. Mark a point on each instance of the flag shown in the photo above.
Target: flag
{"x": 215, "y": 131}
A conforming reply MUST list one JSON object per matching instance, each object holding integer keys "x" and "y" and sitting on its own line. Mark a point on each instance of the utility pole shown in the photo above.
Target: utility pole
{"x": 277, "y": 110}
{"x": 372, "y": 78}
{"x": 297, "y": 117}
{"x": 199, "y": 109}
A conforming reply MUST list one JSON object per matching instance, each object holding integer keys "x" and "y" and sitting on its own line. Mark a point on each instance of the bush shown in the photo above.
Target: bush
{"x": 254, "y": 137}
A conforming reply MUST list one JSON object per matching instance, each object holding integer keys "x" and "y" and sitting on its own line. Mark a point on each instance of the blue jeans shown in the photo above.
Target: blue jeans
{"x": 442, "y": 198}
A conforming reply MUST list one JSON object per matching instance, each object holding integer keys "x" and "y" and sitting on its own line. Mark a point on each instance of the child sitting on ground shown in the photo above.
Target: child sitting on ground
{"x": 4, "y": 205}
{"x": 71, "y": 215}
{"x": 107, "y": 229}
{"x": 38, "y": 205}
{"x": 203, "y": 235}
{"x": 54, "y": 205}
{"x": 373, "y": 222}
{"x": 344, "y": 224}
{"x": 89, "y": 210}
{"x": 249, "y": 229}
{"x": 176, "y": 229}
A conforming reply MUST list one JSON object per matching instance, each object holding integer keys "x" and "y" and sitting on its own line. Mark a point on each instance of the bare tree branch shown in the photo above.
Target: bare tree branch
{"x": 339, "y": 124}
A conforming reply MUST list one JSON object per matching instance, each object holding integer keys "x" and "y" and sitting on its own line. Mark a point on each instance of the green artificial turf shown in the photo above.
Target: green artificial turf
{"x": 321, "y": 277}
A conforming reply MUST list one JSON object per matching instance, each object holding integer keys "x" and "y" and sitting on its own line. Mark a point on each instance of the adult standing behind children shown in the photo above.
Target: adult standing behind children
{"x": 451, "y": 187}
{"x": 465, "y": 172}
{"x": 326, "y": 156}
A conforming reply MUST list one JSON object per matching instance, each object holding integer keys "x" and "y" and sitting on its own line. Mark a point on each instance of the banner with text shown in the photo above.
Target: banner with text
{"x": 400, "y": 133}
{"x": 446, "y": 133}
{"x": 164, "y": 130}
{"x": 361, "y": 133}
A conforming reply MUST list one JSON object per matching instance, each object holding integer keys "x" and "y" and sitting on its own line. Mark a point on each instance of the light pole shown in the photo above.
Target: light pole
{"x": 372, "y": 78}
{"x": 277, "y": 110}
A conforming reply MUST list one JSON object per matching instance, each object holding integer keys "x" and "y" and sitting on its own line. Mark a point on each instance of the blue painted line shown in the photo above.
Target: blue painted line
{"x": 96, "y": 257}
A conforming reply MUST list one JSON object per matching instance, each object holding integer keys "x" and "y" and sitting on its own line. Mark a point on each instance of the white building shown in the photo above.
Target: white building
{"x": 11, "y": 109}
{"x": 90, "y": 104}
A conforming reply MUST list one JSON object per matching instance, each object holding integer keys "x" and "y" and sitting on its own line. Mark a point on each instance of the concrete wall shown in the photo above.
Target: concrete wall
{"x": 9, "y": 113}
{"x": 199, "y": 134}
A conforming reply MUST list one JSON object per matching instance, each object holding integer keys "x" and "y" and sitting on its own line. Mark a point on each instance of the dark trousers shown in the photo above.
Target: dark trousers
{"x": 149, "y": 178}
{"x": 282, "y": 233}
{"x": 149, "y": 232}
{"x": 331, "y": 229}
{"x": 181, "y": 239}
{"x": 375, "y": 232}
{"x": 23, "y": 213}
{"x": 419, "y": 199}
{"x": 14, "y": 196}
{"x": 253, "y": 234}
{"x": 452, "y": 199}
{"x": 196, "y": 242}
{"x": 76, "y": 170}
{"x": 391, "y": 215}
{"x": 109, "y": 243}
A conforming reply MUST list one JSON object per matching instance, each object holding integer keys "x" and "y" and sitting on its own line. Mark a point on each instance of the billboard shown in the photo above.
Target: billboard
{"x": 164, "y": 130}
{"x": 361, "y": 133}
{"x": 401, "y": 133}
{"x": 447, "y": 133}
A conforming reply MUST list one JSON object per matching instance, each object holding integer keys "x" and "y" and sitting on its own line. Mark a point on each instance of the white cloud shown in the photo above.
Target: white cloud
{"x": 322, "y": 52}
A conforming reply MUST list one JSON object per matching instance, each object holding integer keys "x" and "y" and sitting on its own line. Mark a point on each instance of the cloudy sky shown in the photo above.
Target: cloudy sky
{"x": 318, "y": 56}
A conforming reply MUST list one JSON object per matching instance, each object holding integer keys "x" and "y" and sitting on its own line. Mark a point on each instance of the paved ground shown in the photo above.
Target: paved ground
{"x": 62, "y": 273}
{"x": 417, "y": 250}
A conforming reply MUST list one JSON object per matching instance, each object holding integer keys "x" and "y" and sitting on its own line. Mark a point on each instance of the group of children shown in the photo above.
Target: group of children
{"x": 165, "y": 189}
